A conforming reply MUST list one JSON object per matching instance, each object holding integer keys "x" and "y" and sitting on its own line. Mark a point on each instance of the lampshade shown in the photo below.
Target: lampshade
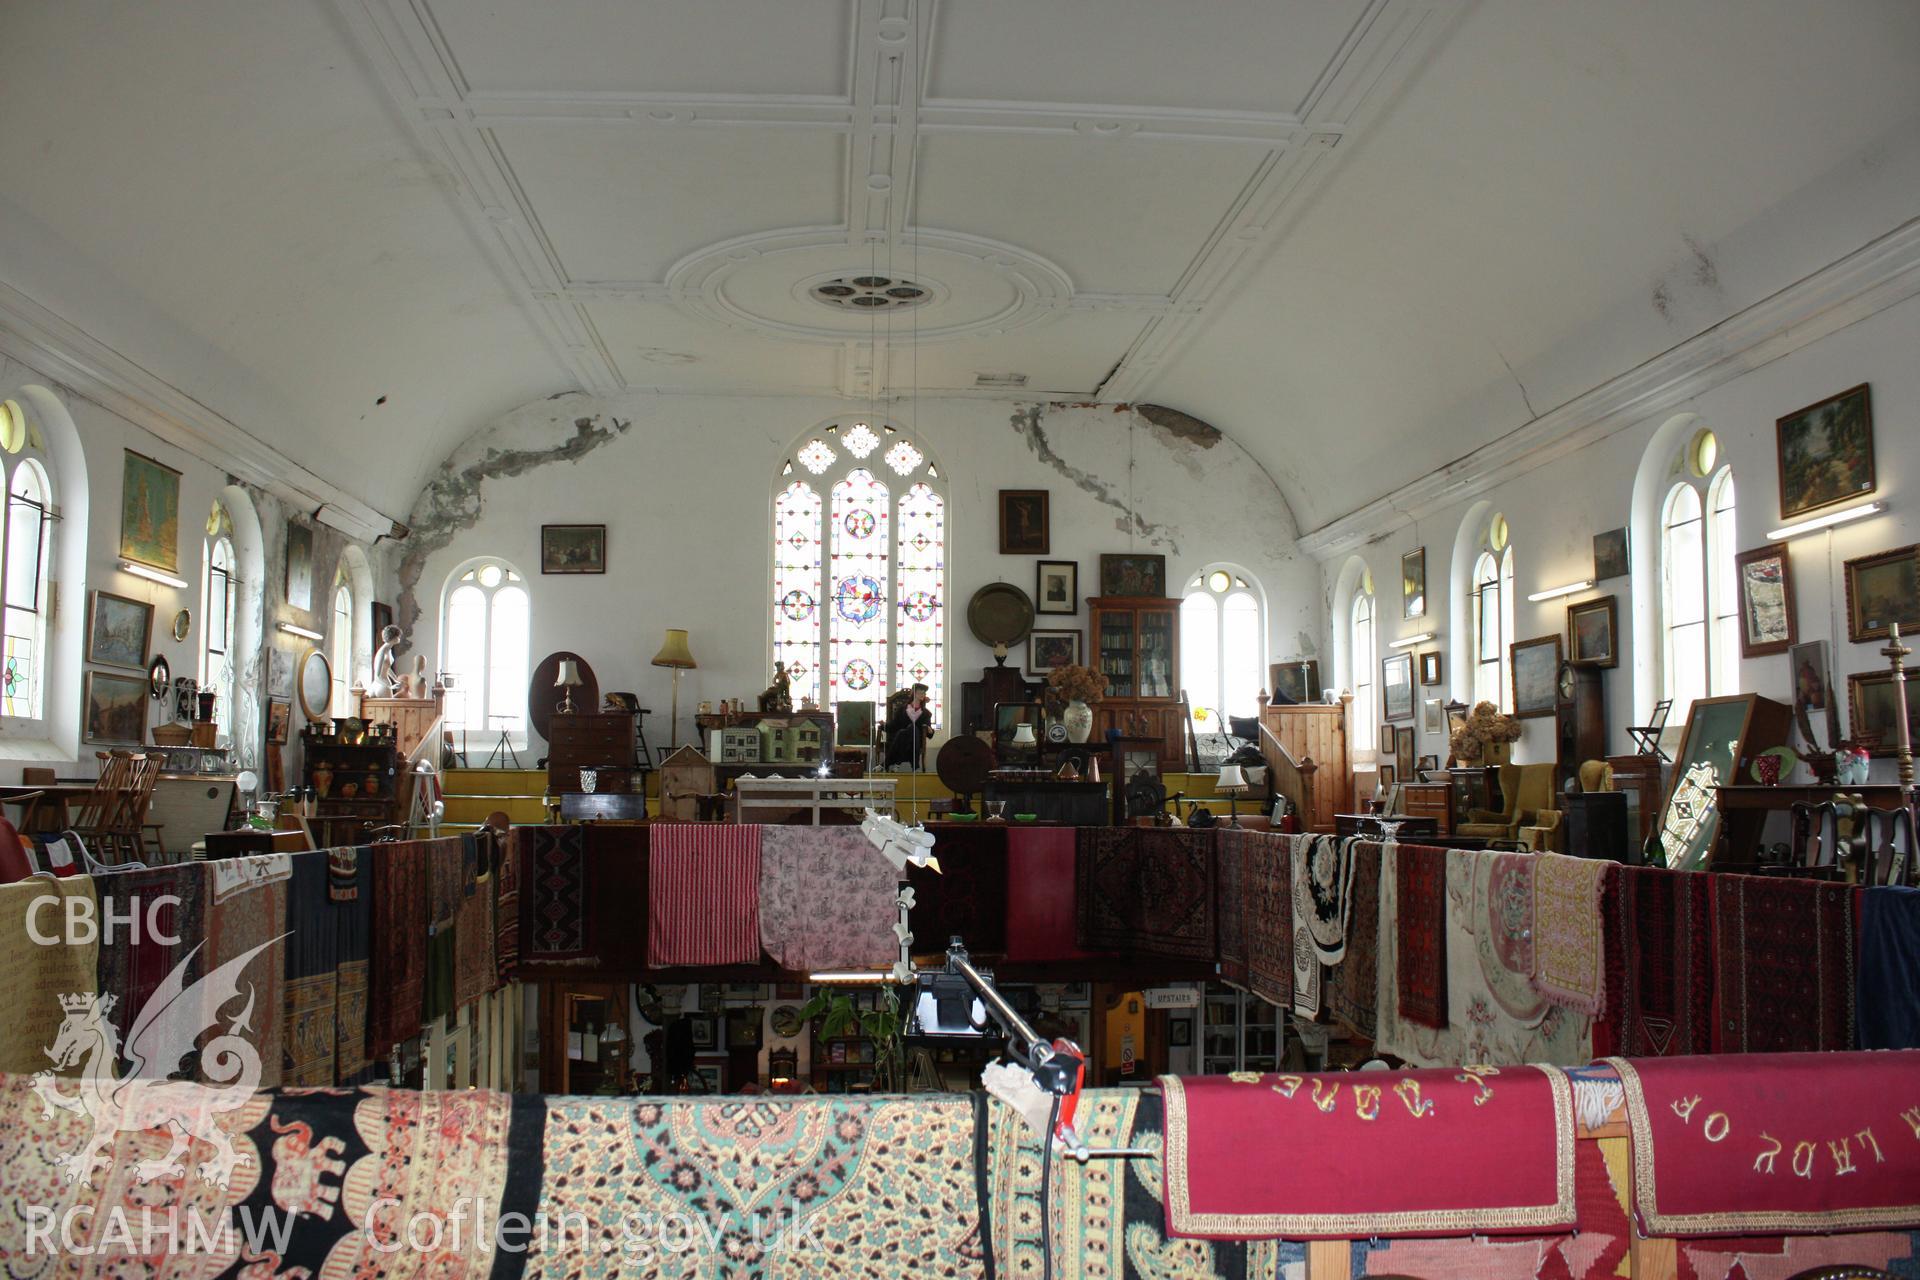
{"x": 1232, "y": 778}
{"x": 1023, "y": 735}
{"x": 674, "y": 651}
{"x": 568, "y": 676}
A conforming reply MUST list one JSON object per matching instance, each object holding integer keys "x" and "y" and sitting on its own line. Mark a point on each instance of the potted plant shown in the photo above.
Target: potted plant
{"x": 884, "y": 1026}
{"x": 1071, "y": 692}
{"x": 1485, "y": 737}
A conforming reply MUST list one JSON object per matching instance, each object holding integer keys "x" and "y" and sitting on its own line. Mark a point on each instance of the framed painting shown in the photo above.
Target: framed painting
{"x": 854, "y": 724}
{"x": 1881, "y": 590}
{"x": 573, "y": 548}
{"x": 1025, "y": 522}
{"x": 1593, "y": 632}
{"x": 119, "y": 631}
{"x": 1766, "y": 601}
{"x": 150, "y": 512}
{"x": 1876, "y": 717}
{"x": 279, "y": 718}
{"x": 1296, "y": 681}
{"x": 1433, "y": 716}
{"x": 116, "y": 709}
{"x": 1536, "y": 675}
{"x": 1387, "y": 743}
{"x": 1826, "y": 452}
{"x": 1610, "y": 555}
{"x": 1809, "y": 664}
{"x": 1396, "y": 686}
{"x": 1056, "y": 587}
{"x": 1403, "y": 749}
{"x": 1430, "y": 667}
{"x": 1133, "y": 575}
{"x": 1413, "y": 583}
{"x": 1049, "y": 649}
{"x": 300, "y": 566}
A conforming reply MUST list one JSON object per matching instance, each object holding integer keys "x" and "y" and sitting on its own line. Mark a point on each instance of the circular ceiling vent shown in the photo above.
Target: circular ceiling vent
{"x": 870, "y": 293}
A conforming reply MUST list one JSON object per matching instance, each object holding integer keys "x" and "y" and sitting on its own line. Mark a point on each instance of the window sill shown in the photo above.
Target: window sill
{"x": 30, "y": 748}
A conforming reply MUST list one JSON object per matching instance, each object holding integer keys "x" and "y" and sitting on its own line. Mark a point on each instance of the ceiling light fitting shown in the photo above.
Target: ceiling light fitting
{"x": 1554, "y": 593}
{"x": 1828, "y": 520}
{"x": 152, "y": 575}
{"x": 305, "y": 633}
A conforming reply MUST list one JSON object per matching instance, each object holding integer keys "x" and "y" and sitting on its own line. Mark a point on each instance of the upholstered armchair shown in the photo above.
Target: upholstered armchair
{"x": 1547, "y": 832}
{"x": 1526, "y": 789}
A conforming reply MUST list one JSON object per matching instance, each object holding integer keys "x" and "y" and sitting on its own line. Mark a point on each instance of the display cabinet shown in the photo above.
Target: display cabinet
{"x": 1238, "y": 1032}
{"x": 577, "y": 1053}
{"x": 1136, "y": 646}
{"x": 356, "y": 781}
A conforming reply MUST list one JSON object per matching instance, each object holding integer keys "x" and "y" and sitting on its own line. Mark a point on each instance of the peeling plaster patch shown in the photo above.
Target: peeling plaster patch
{"x": 453, "y": 501}
{"x": 1705, "y": 273}
{"x": 1180, "y": 426}
{"x": 1026, "y": 424}
{"x": 1306, "y": 644}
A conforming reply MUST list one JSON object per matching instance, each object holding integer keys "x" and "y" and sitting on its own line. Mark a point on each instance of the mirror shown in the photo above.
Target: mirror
{"x": 159, "y": 676}
{"x": 182, "y": 624}
{"x": 316, "y": 685}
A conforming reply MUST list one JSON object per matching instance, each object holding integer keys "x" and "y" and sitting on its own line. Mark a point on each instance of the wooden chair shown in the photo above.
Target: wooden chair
{"x": 95, "y": 813}
{"x": 41, "y": 814}
{"x": 1646, "y": 737}
{"x": 1889, "y": 855}
{"x": 137, "y": 834}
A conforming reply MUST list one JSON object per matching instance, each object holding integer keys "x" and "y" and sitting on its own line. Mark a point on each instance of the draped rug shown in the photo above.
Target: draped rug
{"x": 1108, "y": 1215}
{"x": 1267, "y": 911}
{"x": 398, "y": 944}
{"x": 510, "y": 875}
{"x": 759, "y": 1188}
{"x": 247, "y": 907}
{"x": 1783, "y": 964}
{"x": 1147, "y": 891}
{"x": 446, "y": 878}
{"x": 617, "y": 870}
{"x": 1351, "y": 990}
{"x": 555, "y": 894}
{"x": 1233, "y": 1147}
{"x": 967, "y": 897}
{"x": 1664, "y": 936}
{"x": 171, "y": 903}
{"x": 1774, "y": 1142}
{"x": 1230, "y": 881}
{"x": 829, "y": 900}
{"x": 1569, "y": 945}
{"x": 353, "y": 924}
{"x": 1505, "y": 931}
{"x": 1421, "y": 926}
{"x": 1041, "y": 913}
{"x": 703, "y": 894}
{"x": 1889, "y": 995}
{"x": 33, "y": 977}
{"x": 312, "y": 949}
{"x": 1322, "y": 889}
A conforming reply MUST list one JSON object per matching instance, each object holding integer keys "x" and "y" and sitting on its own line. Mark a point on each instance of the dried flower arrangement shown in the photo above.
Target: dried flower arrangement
{"x": 1485, "y": 726}
{"x": 1068, "y": 683}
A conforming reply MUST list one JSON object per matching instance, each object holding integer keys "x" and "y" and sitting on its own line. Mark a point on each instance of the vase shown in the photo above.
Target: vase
{"x": 1078, "y": 718}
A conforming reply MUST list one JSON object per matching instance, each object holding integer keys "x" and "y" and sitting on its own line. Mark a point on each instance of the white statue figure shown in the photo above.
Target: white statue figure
{"x": 385, "y": 665}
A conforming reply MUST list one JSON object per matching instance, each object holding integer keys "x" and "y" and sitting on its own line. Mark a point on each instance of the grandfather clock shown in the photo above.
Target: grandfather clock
{"x": 1580, "y": 720}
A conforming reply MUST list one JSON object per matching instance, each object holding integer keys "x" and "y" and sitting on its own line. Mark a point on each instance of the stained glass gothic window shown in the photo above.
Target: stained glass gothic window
{"x": 920, "y": 630}
{"x": 796, "y": 587}
{"x": 860, "y": 441}
{"x": 857, "y": 635}
{"x": 28, "y": 497}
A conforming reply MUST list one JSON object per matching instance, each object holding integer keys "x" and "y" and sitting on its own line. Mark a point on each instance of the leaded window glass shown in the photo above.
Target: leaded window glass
{"x": 920, "y": 629}
{"x": 857, "y": 638}
{"x": 24, "y": 623}
{"x": 796, "y": 587}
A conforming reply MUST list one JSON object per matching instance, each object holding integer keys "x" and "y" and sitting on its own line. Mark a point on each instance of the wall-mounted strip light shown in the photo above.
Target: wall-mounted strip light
{"x": 851, "y": 977}
{"x": 152, "y": 575}
{"x": 1554, "y": 593}
{"x": 1410, "y": 641}
{"x": 1828, "y": 520}
{"x": 303, "y": 632}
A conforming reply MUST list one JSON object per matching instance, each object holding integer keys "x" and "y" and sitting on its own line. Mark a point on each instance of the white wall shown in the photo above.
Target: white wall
{"x": 686, "y": 493}
{"x": 1554, "y": 512}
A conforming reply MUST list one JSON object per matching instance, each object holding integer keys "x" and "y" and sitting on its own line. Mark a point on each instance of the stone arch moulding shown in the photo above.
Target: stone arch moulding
{"x": 1651, "y": 481}
{"x": 249, "y": 625}
{"x": 71, "y": 485}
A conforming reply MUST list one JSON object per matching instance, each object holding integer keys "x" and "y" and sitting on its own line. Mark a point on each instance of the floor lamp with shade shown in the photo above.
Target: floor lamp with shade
{"x": 674, "y": 653}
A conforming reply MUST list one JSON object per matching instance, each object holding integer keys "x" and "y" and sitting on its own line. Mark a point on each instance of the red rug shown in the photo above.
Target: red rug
{"x": 1352, "y": 993}
{"x": 1040, "y": 896}
{"x": 1774, "y": 1143}
{"x": 1784, "y": 954}
{"x": 967, "y": 897}
{"x": 399, "y": 978}
{"x": 1266, "y": 909}
{"x": 510, "y": 852}
{"x": 1147, "y": 891}
{"x": 246, "y": 908}
{"x": 703, "y": 894}
{"x": 1234, "y": 1148}
{"x": 1421, "y": 934}
{"x": 1230, "y": 871}
{"x": 1664, "y": 936}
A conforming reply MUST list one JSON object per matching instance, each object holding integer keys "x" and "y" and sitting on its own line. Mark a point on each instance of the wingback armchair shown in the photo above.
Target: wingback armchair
{"x": 1547, "y": 832}
{"x": 1526, "y": 789}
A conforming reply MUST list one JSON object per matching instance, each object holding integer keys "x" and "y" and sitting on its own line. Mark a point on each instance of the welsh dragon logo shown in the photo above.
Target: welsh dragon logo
{"x": 163, "y": 1033}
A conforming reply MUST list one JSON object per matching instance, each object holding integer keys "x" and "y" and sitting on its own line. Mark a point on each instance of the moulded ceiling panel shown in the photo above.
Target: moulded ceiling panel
{"x": 1238, "y": 55}
{"x": 626, "y": 204}
{"x": 1127, "y": 218}
{"x": 1068, "y": 355}
{"x": 649, "y": 46}
{"x": 658, "y": 346}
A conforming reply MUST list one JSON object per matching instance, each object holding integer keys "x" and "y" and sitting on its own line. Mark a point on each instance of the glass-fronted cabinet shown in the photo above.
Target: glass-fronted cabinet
{"x": 1136, "y": 646}
{"x": 1238, "y": 1032}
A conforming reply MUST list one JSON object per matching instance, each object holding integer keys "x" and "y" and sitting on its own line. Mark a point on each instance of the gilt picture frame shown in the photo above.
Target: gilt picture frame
{"x": 1767, "y": 623}
{"x": 150, "y": 512}
{"x": 1825, "y": 452}
{"x": 1882, "y": 589}
{"x": 119, "y": 631}
{"x": 573, "y": 548}
{"x": 1026, "y": 523}
{"x": 1535, "y": 669}
{"x": 1593, "y": 632}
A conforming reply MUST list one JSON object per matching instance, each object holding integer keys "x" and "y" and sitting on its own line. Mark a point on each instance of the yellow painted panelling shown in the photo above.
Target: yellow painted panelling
{"x": 474, "y": 809}
{"x": 493, "y": 782}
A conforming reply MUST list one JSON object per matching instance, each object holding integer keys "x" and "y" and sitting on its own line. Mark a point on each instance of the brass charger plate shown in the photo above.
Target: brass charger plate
{"x": 1000, "y": 613}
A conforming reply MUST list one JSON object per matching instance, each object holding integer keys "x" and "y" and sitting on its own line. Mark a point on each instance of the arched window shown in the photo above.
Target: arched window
{"x": 1491, "y": 616}
{"x": 485, "y": 639}
{"x": 860, "y": 567}
{"x": 1699, "y": 602}
{"x": 340, "y": 646}
{"x": 28, "y": 533}
{"x": 217, "y": 596}
{"x": 1222, "y": 645}
{"x": 1360, "y": 645}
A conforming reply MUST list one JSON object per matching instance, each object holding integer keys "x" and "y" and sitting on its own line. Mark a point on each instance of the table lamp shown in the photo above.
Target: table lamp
{"x": 1232, "y": 784}
{"x": 674, "y": 653}
{"x": 567, "y": 679}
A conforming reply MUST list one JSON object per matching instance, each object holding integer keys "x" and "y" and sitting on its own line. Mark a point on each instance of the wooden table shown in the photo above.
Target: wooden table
{"x": 1744, "y": 809}
{"x": 56, "y": 794}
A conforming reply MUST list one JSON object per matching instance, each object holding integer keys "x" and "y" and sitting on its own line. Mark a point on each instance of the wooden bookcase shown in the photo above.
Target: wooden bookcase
{"x": 1135, "y": 644}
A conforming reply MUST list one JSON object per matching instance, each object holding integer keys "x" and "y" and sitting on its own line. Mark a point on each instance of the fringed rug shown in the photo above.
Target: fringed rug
{"x": 399, "y": 943}
{"x": 1351, "y": 991}
{"x": 1147, "y": 891}
{"x": 473, "y": 966}
{"x": 967, "y": 897}
{"x": 1783, "y": 964}
{"x": 829, "y": 900}
{"x": 312, "y": 950}
{"x": 171, "y": 903}
{"x": 353, "y": 922}
{"x": 1505, "y": 931}
{"x": 248, "y": 909}
{"x": 1230, "y": 879}
{"x": 555, "y": 894}
{"x": 1322, "y": 885}
{"x": 1664, "y": 935}
{"x": 1569, "y": 945}
{"x": 512, "y": 855}
{"x": 1421, "y": 928}
{"x": 1267, "y": 917}
{"x": 33, "y": 974}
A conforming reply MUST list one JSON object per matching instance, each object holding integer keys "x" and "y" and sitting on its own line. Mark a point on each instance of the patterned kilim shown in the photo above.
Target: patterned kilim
{"x": 1147, "y": 891}
{"x": 1108, "y": 1215}
{"x": 703, "y": 894}
{"x": 1665, "y": 936}
{"x": 473, "y": 967}
{"x": 1421, "y": 926}
{"x": 512, "y": 873}
{"x": 760, "y": 1188}
{"x": 1569, "y": 946}
{"x": 1783, "y": 965}
{"x": 171, "y": 903}
{"x": 312, "y": 950}
{"x": 399, "y": 944}
{"x": 248, "y": 907}
{"x": 1788, "y": 1257}
{"x": 829, "y": 900}
{"x": 34, "y": 977}
{"x": 1352, "y": 989}
{"x": 967, "y": 897}
{"x": 353, "y": 922}
{"x": 1505, "y": 931}
{"x": 554, "y": 895}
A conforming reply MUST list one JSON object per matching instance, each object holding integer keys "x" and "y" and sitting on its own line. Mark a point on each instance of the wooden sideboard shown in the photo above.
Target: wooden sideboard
{"x": 601, "y": 740}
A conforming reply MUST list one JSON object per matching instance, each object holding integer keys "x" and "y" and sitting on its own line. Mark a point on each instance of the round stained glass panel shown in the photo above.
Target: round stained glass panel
{"x": 857, "y": 674}
{"x": 920, "y": 605}
{"x": 797, "y": 605}
{"x": 857, "y": 598}
{"x": 859, "y": 524}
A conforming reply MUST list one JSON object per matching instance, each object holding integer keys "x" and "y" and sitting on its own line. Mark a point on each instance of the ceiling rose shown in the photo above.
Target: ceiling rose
{"x": 868, "y": 292}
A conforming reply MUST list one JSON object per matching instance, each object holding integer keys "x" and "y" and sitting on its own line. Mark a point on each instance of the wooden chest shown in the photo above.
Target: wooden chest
{"x": 589, "y": 739}
{"x": 1429, "y": 800}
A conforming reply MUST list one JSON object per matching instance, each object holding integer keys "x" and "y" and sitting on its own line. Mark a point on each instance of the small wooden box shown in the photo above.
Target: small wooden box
{"x": 206, "y": 734}
{"x": 1429, "y": 800}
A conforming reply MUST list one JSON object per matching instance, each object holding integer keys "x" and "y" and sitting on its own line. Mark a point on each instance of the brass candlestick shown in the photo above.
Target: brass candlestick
{"x": 1896, "y": 655}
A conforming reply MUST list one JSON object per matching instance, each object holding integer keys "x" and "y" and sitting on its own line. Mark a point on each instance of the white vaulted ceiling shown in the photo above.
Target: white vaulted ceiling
{"x": 1307, "y": 221}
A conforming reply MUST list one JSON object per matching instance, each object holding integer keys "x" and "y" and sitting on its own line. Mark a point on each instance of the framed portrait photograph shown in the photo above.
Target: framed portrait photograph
{"x": 1881, "y": 590}
{"x": 1826, "y": 452}
{"x": 116, "y": 709}
{"x": 701, "y": 1027}
{"x": 1396, "y": 686}
{"x": 1610, "y": 555}
{"x": 1536, "y": 675}
{"x": 1875, "y": 716}
{"x": 299, "y": 582}
{"x": 1133, "y": 574}
{"x": 1296, "y": 681}
{"x": 119, "y": 631}
{"x": 1593, "y": 632}
{"x": 279, "y": 718}
{"x": 1413, "y": 583}
{"x": 1766, "y": 600}
{"x": 1025, "y": 522}
{"x": 1049, "y": 649}
{"x": 573, "y": 548}
{"x": 150, "y": 512}
{"x": 1056, "y": 586}
{"x": 1430, "y": 667}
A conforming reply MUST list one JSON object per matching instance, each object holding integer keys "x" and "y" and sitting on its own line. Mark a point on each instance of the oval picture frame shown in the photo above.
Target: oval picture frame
{"x": 315, "y": 686}
{"x": 159, "y": 676}
{"x": 182, "y": 624}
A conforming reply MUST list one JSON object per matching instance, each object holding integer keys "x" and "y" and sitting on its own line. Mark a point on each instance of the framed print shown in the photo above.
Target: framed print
{"x": 1593, "y": 632}
{"x": 1388, "y": 742}
{"x": 1430, "y": 667}
{"x": 1179, "y": 1033}
{"x": 1433, "y": 716}
{"x": 300, "y": 566}
{"x": 150, "y": 512}
{"x": 1387, "y": 775}
{"x": 1826, "y": 452}
{"x": 1766, "y": 600}
{"x": 1413, "y": 583}
{"x": 1025, "y": 523}
{"x": 118, "y": 631}
{"x": 116, "y": 709}
{"x": 1403, "y": 748}
{"x": 316, "y": 685}
{"x": 1133, "y": 575}
{"x": 711, "y": 1068}
{"x": 1536, "y": 675}
{"x": 1298, "y": 680}
{"x": 573, "y": 548}
{"x": 1883, "y": 589}
{"x": 1396, "y": 686}
{"x": 1049, "y": 649}
{"x": 1610, "y": 555}
{"x": 701, "y": 1027}
{"x": 279, "y": 717}
{"x": 1875, "y": 718}
{"x": 1056, "y": 587}
{"x": 1811, "y": 684}
{"x": 854, "y": 724}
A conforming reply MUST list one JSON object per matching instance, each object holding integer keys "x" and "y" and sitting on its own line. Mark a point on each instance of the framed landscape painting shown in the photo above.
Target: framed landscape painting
{"x": 1766, "y": 600}
{"x": 573, "y": 548}
{"x": 116, "y": 709}
{"x": 1610, "y": 554}
{"x": 118, "y": 631}
{"x": 1826, "y": 452}
{"x": 1881, "y": 590}
{"x": 1876, "y": 718}
{"x": 1536, "y": 675}
{"x": 1593, "y": 631}
{"x": 150, "y": 513}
